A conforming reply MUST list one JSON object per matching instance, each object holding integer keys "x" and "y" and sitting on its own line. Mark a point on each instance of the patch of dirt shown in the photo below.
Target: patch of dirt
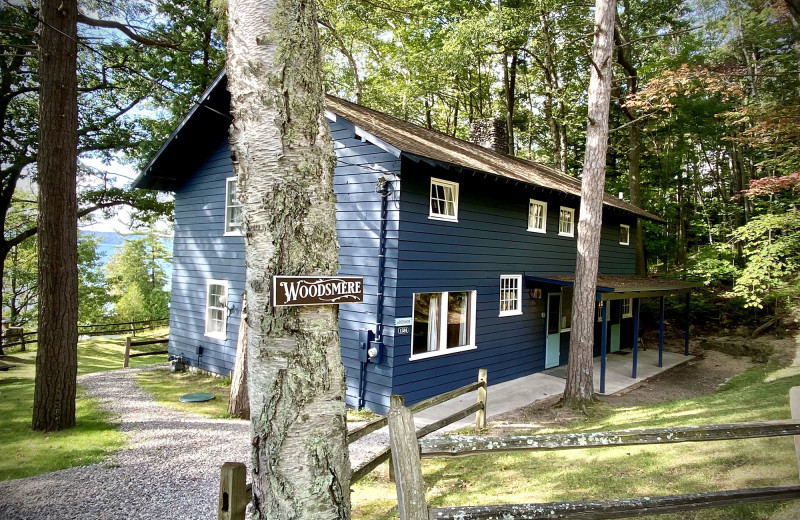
{"x": 716, "y": 360}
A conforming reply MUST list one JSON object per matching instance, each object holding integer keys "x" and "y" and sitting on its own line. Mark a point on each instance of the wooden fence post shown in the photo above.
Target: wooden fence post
{"x": 233, "y": 497}
{"x": 480, "y": 416}
{"x": 794, "y": 405}
{"x": 407, "y": 464}
{"x": 127, "y": 352}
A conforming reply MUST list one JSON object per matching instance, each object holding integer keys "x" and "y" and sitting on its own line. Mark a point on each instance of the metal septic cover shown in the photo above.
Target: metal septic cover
{"x": 197, "y": 397}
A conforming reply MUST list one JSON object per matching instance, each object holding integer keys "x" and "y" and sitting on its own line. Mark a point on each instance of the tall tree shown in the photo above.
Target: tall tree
{"x": 283, "y": 157}
{"x": 57, "y": 356}
{"x": 579, "y": 389}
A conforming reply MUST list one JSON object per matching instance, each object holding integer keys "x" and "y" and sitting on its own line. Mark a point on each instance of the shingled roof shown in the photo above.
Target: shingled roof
{"x": 411, "y": 140}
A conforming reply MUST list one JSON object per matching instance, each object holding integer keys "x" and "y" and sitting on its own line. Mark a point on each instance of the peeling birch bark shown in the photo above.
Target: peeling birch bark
{"x": 284, "y": 161}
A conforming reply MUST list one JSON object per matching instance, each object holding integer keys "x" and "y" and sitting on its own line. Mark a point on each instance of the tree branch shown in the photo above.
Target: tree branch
{"x": 127, "y": 31}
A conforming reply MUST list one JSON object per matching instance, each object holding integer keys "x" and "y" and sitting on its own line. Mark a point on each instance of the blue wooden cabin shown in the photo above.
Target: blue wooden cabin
{"x": 466, "y": 253}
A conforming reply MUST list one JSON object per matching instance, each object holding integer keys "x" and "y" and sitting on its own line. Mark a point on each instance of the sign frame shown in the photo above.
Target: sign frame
{"x": 353, "y": 292}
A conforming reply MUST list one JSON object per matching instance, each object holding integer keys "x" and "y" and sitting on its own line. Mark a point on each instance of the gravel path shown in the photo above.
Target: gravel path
{"x": 169, "y": 468}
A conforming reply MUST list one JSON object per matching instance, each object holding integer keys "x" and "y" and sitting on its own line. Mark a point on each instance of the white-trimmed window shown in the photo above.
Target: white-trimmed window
{"x": 443, "y": 323}
{"x": 566, "y": 222}
{"x": 510, "y": 294}
{"x": 624, "y": 234}
{"x": 537, "y": 216}
{"x": 216, "y": 308}
{"x": 233, "y": 209}
{"x": 444, "y": 200}
{"x": 627, "y": 308}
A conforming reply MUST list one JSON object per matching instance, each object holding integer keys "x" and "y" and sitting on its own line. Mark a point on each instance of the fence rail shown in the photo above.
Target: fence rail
{"x": 408, "y": 451}
{"x": 235, "y": 493}
{"x": 129, "y": 343}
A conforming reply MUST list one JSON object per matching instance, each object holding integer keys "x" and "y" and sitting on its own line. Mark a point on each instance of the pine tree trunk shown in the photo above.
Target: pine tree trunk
{"x": 57, "y": 357}
{"x": 580, "y": 387}
{"x": 239, "y": 403}
{"x": 283, "y": 156}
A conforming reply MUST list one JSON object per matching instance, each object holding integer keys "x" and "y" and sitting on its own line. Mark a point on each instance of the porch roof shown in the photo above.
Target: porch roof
{"x": 617, "y": 287}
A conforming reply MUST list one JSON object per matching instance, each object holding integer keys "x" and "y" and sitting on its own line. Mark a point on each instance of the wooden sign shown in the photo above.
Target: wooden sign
{"x": 316, "y": 290}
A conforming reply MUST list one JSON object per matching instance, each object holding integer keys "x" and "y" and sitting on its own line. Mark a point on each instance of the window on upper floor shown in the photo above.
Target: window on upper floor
{"x": 566, "y": 222}
{"x": 443, "y": 322}
{"x": 510, "y": 294}
{"x": 233, "y": 209}
{"x": 216, "y": 308}
{"x": 444, "y": 200}
{"x": 624, "y": 234}
{"x": 537, "y": 216}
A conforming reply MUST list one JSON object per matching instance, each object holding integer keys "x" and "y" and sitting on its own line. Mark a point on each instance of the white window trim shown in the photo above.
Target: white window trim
{"x": 473, "y": 298}
{"x": 544, "y": 220}
{"x": 572, "y": 222}
{"x": 628, "y": 228}
{"x": 518, "y": 310}
{"x": 436, "y": 216}
{"x": 224, "y": 333}
{"x": 230, "y": 232}
{"x": 628, "y": 314}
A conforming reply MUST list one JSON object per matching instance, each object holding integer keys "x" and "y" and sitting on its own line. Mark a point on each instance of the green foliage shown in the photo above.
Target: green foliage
{"x": 136, "y": 279}
{"x": 771, "y": 246}
{"x": 714, "y": 265}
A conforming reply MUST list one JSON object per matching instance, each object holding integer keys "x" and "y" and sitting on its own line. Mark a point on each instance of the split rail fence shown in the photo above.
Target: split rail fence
{"x": 129, "y": 343}
{"x": 235, "y": 493}
{"x": 407, "y": 452}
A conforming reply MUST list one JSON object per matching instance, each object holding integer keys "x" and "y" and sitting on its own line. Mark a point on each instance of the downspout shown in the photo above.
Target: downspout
{"x": 383, "y": 188}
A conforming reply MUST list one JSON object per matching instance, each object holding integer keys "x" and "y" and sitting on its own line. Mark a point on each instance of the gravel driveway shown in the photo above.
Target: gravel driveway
{"x": 169, "y": 468}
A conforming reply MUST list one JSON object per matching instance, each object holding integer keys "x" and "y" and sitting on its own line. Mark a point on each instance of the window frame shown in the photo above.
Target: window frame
{"x": 230, "y": 230}
{"x": 571, "y": 211}
{"x": 223, "y": 334}
{"x": 517, "y": 299}
{"x": 627, "y": 229}
{"x": 532, "y": 229}
{"x": 442, "y": 337}
{"x": 565, "y": 295}
{"x": 438, "y": 216}
{"x": 623, "y": 303}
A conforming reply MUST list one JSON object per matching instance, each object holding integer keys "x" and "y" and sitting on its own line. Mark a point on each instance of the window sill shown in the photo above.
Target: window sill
{"x": 233, "y": 234}
{"x": 534, "y": 230}
{"x": 624, "y": 243}
{"x": 510, "y": 313}
{"x": 219, "y": 336}
{"x": 443, "y": 218}
{"x": 571, "y": 235}
{"x": 437, "y": 353}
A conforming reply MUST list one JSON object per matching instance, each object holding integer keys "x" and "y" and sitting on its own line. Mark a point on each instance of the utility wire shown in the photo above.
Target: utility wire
{"x": 127, "y": 68}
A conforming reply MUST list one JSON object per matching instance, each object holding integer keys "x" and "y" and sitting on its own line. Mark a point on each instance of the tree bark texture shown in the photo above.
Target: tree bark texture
{"x": 579, "y": 388}
{"x": 239, "y": 403}
{"x": 284, "y": 160}
{"x": 57, "y": 357}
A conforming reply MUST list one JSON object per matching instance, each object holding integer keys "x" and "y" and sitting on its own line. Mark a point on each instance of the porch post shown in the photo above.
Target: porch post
{"x": 686, "y": 335}
{"x": 661, "y": 333}
{"x": 603, "y": 341}
{"x": 635, "y": 335}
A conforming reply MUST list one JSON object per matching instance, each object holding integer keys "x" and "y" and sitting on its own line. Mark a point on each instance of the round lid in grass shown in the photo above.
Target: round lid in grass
{"x": 197, "y": 397}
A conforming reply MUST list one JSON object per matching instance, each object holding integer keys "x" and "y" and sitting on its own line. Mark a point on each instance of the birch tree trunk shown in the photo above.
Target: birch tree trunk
{"x": 283, "y": 156}
{"x": 239, "y": 403}
{"x": 57, "y": 357}
{"x": 579, "y": 389}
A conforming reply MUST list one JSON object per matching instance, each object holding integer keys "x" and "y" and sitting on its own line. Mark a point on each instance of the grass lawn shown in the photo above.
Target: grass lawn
{"x": 166, "y": 387}
{"x": 23, "y": 452}
{"x": 762, "y": 393}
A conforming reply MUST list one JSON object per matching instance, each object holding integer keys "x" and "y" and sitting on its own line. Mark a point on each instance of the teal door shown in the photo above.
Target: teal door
{"x": 614, "y": 344}
{"x": 553, "y": 346}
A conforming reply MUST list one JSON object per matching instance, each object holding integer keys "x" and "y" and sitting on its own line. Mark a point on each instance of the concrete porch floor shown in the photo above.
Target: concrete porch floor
{"x": 504, "y": 397}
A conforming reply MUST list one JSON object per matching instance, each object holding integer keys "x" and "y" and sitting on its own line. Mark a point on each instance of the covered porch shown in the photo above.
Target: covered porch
{"x": 621, "y": 294}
